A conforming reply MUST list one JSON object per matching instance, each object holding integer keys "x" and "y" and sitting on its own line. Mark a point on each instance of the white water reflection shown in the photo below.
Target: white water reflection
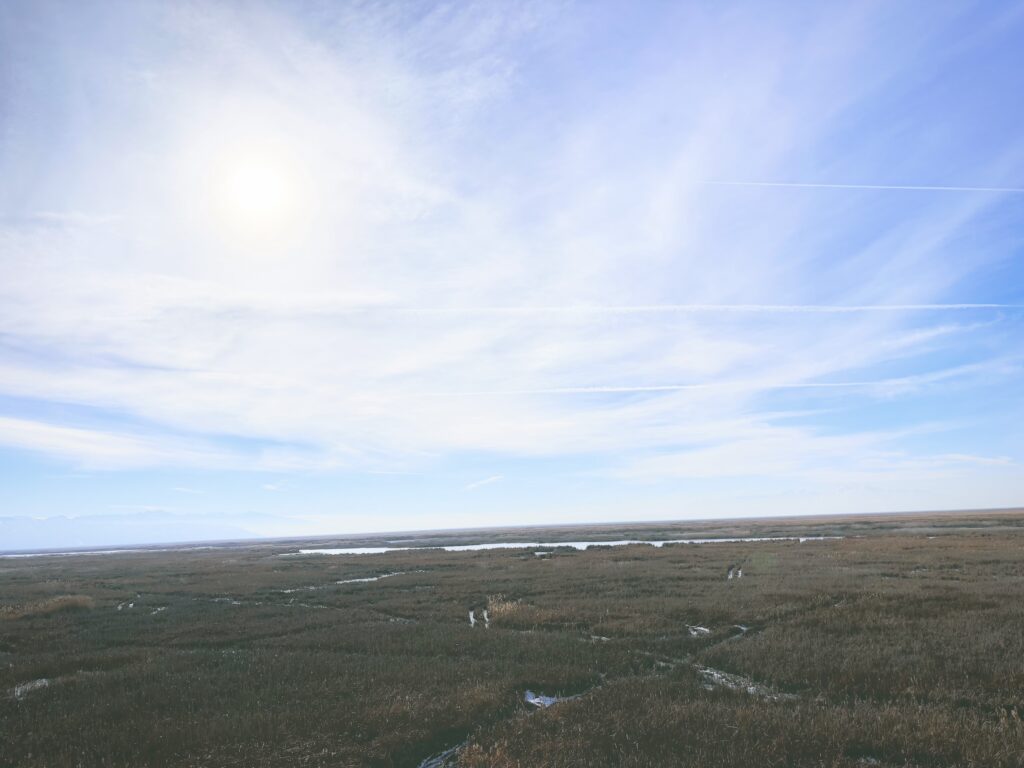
{"x": 19, "y": 691}
{"x": 364, "y": 580}
{"x": 443, "y": 758}
{"x": 578, "y": 545}
{"x": 717, "y": 678}
{"x": 541, "y": 701}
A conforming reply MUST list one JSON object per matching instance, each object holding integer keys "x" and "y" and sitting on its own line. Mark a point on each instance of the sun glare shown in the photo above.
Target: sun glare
{"x": 257, "y": 192}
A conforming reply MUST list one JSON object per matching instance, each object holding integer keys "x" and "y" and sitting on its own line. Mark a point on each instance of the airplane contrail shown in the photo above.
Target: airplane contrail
{"x": 600, "y": 390}
{"x": 901, "y": 187}
{"x": 902, "y": 381}
{"x": 655, "y": 309}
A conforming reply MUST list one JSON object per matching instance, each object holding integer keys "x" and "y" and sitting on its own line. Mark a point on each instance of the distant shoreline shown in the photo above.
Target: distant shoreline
{"x": 498, "y": 534}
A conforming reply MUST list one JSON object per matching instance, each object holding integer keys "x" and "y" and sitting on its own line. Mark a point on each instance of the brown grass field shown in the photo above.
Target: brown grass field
{"x": 900, "y": 644}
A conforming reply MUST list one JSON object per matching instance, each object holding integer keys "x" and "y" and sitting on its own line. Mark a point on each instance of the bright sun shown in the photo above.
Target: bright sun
{"x": 256, "y": 191}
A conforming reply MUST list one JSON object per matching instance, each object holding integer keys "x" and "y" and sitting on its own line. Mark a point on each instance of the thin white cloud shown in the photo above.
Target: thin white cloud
{"x": 485, "y": 481}
{"x": 659, "y": 309}
{"x": 141, "y": 507}
{"x": 885, "y": 386}
{"x": 65, "y": 218}
{"x": 882, "y": 187}
{"x": 800, "y": 454}
{"x": 104, "y": 449}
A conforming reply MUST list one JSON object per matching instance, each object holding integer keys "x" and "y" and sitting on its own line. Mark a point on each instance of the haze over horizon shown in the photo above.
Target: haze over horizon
{"x": 313, "y": 267}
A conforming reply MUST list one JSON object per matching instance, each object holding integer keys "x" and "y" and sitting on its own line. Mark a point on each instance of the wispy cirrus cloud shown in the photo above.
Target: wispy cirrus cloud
{"x": 876, "y": 187}
{"x": 499, "y": 256}
{"x": 102, "y": 449}
{"x": 485, "y": 481}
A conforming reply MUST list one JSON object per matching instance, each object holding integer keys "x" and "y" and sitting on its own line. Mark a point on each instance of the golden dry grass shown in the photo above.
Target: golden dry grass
{"x": 47, "y": 606}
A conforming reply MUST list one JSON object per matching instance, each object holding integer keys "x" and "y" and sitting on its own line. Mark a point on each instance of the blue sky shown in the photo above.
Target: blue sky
{"x": 297, "y": 268}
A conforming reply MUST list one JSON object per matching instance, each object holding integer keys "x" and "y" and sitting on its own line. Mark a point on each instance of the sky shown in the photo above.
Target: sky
{"x": 296, "y": 268}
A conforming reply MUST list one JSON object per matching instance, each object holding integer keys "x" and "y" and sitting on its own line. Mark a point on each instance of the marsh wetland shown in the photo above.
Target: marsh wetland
{"x": 874, "y": 641}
